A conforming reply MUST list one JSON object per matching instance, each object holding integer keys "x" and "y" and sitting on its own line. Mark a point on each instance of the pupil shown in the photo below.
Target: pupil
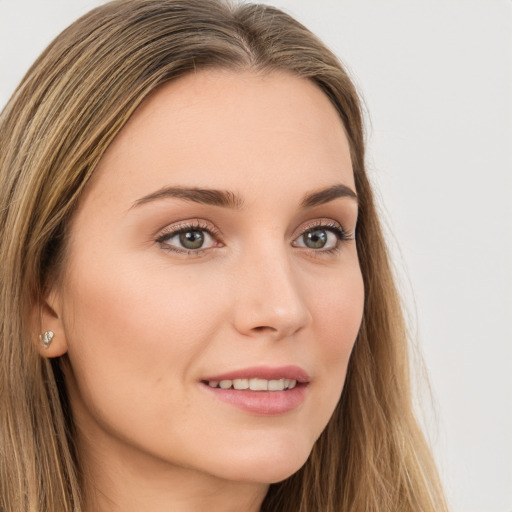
{"x": 315, "y": 239}
{"x": 192, "y": 239}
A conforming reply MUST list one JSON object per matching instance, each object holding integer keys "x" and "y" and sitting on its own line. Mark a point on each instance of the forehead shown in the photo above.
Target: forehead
{"x": 226, "y": 129}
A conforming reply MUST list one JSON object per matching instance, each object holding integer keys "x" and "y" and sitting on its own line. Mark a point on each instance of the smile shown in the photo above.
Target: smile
{"x": 261, "y": 390}
{"x": 254, "y": 384}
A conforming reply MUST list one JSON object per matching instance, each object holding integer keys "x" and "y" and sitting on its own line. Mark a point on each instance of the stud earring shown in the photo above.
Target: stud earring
{"x": 46, "y": 338}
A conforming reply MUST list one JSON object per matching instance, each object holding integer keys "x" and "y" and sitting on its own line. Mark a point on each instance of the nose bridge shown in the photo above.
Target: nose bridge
{"x": 269, "y": 299}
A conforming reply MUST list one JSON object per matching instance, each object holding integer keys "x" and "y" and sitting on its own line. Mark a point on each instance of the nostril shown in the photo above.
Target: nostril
{"x": 263, "y": 328}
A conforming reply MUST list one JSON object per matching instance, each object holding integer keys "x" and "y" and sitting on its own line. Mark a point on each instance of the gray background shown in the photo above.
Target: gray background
{"x": 436, "y": 77}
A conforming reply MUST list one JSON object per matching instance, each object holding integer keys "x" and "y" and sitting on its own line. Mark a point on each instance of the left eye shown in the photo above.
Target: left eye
{"x": 318, "y": 238}
{"x": 189, "y": 239}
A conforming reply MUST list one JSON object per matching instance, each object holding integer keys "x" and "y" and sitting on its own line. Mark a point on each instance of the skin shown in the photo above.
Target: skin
{"x": 141, "y": 324}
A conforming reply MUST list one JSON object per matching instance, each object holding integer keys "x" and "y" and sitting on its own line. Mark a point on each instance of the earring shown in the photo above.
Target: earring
{"x": 46, "y": 338}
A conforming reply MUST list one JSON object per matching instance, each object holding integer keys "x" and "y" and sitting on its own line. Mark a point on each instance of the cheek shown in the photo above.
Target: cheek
{"x": 135, "y": 329}
{"x": 337, "y": 315}
{"x": 338, "y": 307}
{"x": 140, "y": 305}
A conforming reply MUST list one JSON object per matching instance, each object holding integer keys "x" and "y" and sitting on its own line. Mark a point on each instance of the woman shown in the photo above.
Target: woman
{"x": 198, "y": 308}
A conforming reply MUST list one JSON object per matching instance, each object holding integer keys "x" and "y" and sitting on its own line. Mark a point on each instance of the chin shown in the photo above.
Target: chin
{"x": 266, "y": 465}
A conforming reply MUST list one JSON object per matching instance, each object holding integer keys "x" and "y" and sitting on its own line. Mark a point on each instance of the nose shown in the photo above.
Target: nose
{"x": 269, "y": 301}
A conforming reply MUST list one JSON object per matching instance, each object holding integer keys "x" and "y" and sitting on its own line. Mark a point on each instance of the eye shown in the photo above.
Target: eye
{"x": 317, "y": 238}
{"x": 187, "y": 239}
{"x": 192, "y": 239}
{"x": 321, "y": 237}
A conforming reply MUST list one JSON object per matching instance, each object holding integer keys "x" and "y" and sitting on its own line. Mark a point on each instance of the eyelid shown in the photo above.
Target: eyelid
{"x": 322, "y": 223}
{"x": 199, "y": 224}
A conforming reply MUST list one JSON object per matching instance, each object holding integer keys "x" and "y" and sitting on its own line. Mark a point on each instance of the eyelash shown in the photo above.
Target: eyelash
{"x": 177, "y": 230}
{"x": 339, "y": 231}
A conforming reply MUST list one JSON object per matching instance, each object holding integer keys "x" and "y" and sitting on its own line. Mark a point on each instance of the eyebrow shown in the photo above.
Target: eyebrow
{"x": 209, "y": 196}
{"x": 328, "y": 194}
{"x": 228, "y": 199}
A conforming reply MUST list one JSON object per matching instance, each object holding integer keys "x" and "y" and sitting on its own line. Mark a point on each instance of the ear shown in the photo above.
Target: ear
{"x": 46, "y": 318}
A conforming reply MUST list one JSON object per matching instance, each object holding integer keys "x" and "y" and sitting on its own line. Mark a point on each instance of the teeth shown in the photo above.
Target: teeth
{"x": 241, "y": 383}
{"x": 276, "y": 385}
{"x": 254, "y": 384}
{"x": 258, "y": 384}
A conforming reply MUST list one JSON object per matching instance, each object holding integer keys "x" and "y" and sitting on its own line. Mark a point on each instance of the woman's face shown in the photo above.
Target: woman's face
{"x": 214, "y": 247}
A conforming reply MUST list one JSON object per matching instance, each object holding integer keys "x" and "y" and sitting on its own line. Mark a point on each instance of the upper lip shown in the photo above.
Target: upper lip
{"x": 264, "y": 372}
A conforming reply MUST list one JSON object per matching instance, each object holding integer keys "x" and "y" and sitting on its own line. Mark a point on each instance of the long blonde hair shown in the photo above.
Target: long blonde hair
{"x": 71, "y": 104}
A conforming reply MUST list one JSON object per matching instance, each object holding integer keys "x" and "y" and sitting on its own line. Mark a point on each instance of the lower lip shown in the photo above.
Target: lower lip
{"x": 263, "y": 403}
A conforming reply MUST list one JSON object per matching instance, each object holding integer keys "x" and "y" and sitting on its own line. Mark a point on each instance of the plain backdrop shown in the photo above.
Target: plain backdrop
{"x": 436, "y": 78}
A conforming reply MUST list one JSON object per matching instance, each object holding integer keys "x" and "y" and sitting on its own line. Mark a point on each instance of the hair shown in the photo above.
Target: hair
{"x": 59, "y": 122}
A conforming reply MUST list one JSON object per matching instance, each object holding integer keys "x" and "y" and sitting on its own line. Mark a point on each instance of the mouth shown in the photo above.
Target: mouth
{"x": 261, "y": 390}
{"x": 254, "y": 384}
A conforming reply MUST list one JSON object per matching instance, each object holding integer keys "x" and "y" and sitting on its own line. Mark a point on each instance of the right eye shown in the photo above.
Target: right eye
{"x": 187, "y": 239}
